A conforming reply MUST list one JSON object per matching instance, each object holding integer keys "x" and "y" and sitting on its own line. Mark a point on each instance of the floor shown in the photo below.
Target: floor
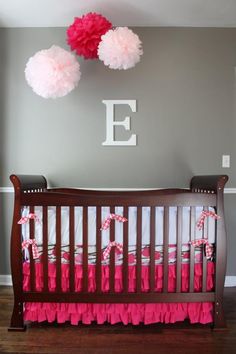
{"x": 94, "y": 339}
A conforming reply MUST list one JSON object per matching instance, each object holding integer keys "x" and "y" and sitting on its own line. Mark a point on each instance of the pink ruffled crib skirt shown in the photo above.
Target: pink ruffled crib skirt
{"x": 115, "y": 313}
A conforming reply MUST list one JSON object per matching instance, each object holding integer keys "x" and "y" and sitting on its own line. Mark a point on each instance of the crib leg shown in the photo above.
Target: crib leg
{"x": 17, "y": 321}
{"x": 219, "y": 318}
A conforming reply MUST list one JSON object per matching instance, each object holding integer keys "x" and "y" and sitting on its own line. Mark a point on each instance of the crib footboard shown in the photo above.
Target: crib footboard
{"x": 31, "y": 192}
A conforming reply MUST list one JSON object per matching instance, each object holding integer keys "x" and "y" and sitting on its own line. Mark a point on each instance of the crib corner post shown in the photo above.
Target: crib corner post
{"x": 17, "y": 319}
{"x": 221, "y": 257}
{"x": 218, "y": 315}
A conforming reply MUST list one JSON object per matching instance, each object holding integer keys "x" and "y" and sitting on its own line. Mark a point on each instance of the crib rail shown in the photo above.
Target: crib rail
{"x": 117, "y": 297}
{"x": 135, "y": 199}
{"x": 40, "y": 196}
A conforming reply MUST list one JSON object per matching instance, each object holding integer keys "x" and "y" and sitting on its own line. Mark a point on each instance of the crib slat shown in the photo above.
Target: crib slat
{"x": 139, "y": 250}
{"x": 98, "y": 251}
{"x": 45, "y": 249}
{"x": 72, "y": 247}
{"x": 152, "y": 249}
{"x": 166, "y": 249}
{"x": 58, "y": 248}
{"x": 112, "y": 254}
{"x": 204, "y": 259}
{"x": 85, "y": 249}
{"x": 179, "y": 248}
{"x": 32, "y": 262}
{"x": 125, "y": 252}
{"x": 192, "y": 250}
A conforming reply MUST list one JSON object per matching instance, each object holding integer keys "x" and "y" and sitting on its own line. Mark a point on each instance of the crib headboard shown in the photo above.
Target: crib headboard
{"x": 208, "y": 184}
{"x": 204, "y": 184}
{"x": 32, "y": 183}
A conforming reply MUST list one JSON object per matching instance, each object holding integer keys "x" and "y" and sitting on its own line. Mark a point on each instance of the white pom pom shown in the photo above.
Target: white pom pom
{"x": 120, "y": 48}
{"x": 52, "y": 72}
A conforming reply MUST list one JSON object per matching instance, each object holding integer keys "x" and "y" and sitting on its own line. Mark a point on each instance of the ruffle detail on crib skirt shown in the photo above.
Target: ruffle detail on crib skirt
{"x": 118, "y": 277}
{"x": 115, "y": 313}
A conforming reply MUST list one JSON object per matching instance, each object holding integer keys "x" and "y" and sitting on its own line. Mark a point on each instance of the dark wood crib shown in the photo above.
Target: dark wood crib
{"x": 32, "y": 191}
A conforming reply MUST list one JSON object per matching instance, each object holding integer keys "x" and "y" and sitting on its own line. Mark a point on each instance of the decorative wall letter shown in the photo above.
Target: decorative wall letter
{"x": 110, "y": 123}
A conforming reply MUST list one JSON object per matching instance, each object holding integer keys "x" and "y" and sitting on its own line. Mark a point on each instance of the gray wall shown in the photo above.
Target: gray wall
{"x": 185, "y": 91}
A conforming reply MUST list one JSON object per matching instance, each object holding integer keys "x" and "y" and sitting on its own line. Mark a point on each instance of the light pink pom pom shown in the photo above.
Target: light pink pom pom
{"x": 120, "y": 48}
{"x": 52, "y": 72}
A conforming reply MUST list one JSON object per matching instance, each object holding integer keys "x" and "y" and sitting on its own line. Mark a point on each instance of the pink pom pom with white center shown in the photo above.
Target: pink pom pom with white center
{"x": 52, "y": 72}
{"x": 120, "y": 48}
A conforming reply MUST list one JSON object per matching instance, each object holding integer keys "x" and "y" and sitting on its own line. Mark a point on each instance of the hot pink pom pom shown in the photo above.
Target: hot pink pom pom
{"x": 85, "y": 33}
{"x": 52, "y": 72}
{"x": 120, "y": 48}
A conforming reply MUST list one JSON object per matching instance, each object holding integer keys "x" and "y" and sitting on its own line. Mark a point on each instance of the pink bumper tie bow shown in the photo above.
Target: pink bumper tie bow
{"x": 204, "y": 215}
{"x": 25, "y": 219}
{"x": 25, "y": 244}
{"x": 208, "y": 246}
{"x": 107, "y": 251}
{"x": 106, "y": 223}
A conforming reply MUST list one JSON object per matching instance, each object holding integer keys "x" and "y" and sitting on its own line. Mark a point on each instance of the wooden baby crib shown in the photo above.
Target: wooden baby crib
{"x": 31, "y": 192}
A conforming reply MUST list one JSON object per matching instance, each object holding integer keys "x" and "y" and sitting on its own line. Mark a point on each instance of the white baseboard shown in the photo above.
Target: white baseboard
{"x": 5, "y": 280}
{"x": 229, "y": 280}
{"x": 11, "y": 189}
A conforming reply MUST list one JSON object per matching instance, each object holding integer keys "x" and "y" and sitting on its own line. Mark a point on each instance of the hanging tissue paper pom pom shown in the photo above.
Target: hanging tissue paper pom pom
{"x": 85, "y": 33}
{"x": 52, "y": 72}
{"x": 120, "y": 48}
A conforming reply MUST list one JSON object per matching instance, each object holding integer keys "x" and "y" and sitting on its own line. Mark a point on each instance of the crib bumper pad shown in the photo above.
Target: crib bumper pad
{"x": 115, "y": 313}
